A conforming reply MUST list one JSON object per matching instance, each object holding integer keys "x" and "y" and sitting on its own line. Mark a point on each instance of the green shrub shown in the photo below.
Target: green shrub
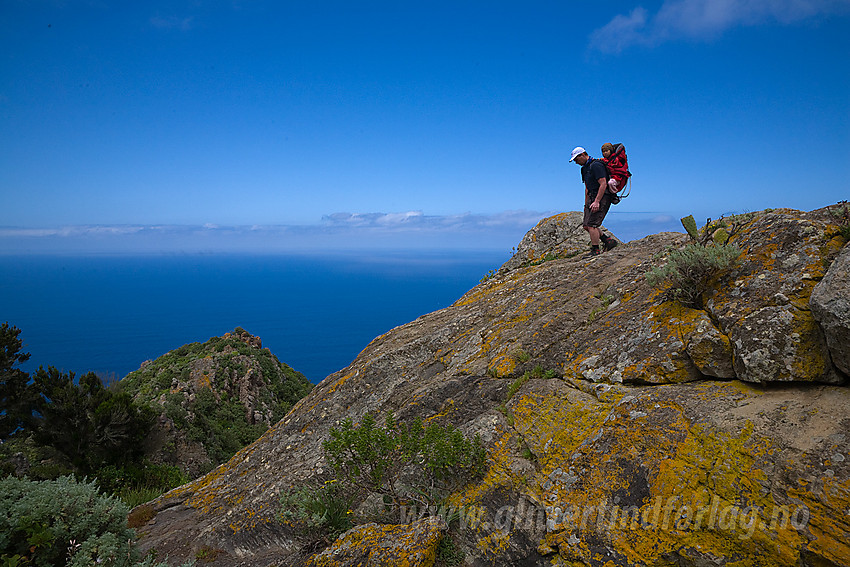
{"x": 607, "y": 300}
{"x": 207, "y": 554}
{"x": 16, "y": 396}
{"x": 320, "y": 513}
{"x": 51, "y": 523}
{"x": 538, "y": 372}
{"x": 221, "y": 426}
{"x": 689, "y": 272}
{"x": 137, "y": 483}
{"x": 516, "y": 385}
{"x": 63, "y": 522}
{"x": 488, "y": 276}
{"x": 371, "y": 458}
{"x": 90, "y": 425}
{"x": 448, "y": 553}
{"x": 521, "y": 356}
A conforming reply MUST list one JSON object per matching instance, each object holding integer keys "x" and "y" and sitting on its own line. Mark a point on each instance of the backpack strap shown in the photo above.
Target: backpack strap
{"x": 627, "y": 188}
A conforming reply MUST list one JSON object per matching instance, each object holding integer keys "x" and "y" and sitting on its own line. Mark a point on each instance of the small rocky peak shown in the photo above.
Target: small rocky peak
{"x": 244, "y": 336}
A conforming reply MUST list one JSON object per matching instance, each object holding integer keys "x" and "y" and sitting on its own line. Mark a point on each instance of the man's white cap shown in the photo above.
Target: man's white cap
{"x": 577, "y": 152}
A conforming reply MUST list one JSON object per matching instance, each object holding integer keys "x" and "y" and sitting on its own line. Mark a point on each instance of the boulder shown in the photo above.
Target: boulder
{"x": 384, "y": 545}
{"x": 830, "y": 304}
{"x": 763, "y": 306}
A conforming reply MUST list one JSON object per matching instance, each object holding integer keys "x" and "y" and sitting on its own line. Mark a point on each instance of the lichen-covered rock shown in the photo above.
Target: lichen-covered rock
{"x": 830, "y": 304}
{"x": 642, "y": 417}
{"x": 709, "y": 349}
{"x": 764, "y": 306}
{"x": 681, "y": 474}
{"x": 559, "y": 236}
{"x": 375, "y": 545}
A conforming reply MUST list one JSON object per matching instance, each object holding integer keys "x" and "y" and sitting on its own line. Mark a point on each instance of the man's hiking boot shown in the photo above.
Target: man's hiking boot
{"x": 594, "y": 251}
{"x": 608, "y": 242}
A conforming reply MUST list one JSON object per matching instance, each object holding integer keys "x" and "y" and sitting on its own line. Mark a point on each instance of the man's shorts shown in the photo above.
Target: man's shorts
{"x": 595, "y": 219}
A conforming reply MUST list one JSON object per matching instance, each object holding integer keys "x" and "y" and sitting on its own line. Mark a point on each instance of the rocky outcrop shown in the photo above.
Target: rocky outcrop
{"x": 412, "y": 545}
{"x": 213, "y": 398}
{"x": 560, "y": 236}
{"x": 668, "y": 436}
{"x": 830, "y": 304}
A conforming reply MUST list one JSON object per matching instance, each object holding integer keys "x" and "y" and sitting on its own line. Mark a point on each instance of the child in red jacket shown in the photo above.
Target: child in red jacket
{"x": 614, "y": 157}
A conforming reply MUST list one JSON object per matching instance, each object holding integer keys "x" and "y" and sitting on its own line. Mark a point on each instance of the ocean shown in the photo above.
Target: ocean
{"x": 108, "y": 314}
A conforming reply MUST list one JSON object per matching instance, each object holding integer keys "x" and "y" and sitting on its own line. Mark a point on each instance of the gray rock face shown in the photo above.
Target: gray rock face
{"x": 830, "y": 304}
{"x": 560, "y": 236}
{"x": 763, "y": 306}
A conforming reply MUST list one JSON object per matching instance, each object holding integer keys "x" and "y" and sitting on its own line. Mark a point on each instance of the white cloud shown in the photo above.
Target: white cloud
{"x": 336, "y": 231}
{"x": 418, "y": 221}
{"x": 70, "y": 231}
{"x": 704, "y": 19}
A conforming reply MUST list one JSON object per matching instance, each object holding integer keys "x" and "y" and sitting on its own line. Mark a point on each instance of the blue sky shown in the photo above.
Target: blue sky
{"x": 256, "y": 125}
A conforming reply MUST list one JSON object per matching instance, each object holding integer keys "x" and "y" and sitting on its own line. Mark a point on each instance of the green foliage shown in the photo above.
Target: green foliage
{"x": 548, "y": 257}
{"x": 371, "y": 458}
{"x": 90, "y": 425}
{"x": 221, "y": 425}
{"x": 448, "y": 553}
{"x": 207, "y": 554}
{"x": 133, "y": 496}
{"x": 63, "y": 522}
{"x": 488, "y": 276}
{"x": 217, "y": 419}
{"x": 16, "y": 398}
{"x": 689, "y": 272}
{"x": 516, "y": 385}
{"x": 538, "y": 372}
{"x": 137, "y": 483}
{"x": 607, "y": 300}
{"x": 521, "y": 356}
{"x": 321, "y": 513}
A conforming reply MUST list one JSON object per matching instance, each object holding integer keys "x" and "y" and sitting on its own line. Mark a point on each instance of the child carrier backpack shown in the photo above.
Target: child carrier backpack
{"x": 618, "y": 168}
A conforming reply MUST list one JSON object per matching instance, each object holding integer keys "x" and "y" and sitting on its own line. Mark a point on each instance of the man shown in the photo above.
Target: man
{"x": 597, "y": 199}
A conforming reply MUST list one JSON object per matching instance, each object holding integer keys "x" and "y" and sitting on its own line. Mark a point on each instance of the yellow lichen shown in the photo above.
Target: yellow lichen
{"x": 823, "y": 523}
{"x": 399, "y": 545}
{"x": 705, "y": 488}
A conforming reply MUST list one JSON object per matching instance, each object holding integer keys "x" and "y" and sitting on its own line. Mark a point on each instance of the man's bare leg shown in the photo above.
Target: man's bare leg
{"x": 595, "y": 235}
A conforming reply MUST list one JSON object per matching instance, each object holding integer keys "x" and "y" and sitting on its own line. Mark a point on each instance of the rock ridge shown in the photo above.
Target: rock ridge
{"x": 670, "y": 436}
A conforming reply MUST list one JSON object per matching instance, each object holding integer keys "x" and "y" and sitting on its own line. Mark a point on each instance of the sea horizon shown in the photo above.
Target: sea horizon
{"x": 110, "y": 312}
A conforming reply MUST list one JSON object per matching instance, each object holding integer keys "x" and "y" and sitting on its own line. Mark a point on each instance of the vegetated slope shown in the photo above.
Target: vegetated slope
{"x": 669, "y": 434}
{"x": 213, "y": 398}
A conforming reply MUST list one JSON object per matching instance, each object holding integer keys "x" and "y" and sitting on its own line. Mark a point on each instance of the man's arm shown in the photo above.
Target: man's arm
{"x": 603, "y": 186}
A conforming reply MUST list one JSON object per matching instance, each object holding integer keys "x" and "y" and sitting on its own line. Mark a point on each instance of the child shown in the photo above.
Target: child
{"x": 614, "y": 157}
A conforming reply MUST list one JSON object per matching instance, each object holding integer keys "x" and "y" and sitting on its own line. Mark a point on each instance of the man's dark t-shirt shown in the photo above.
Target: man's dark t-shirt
{"x": 591, "y": 172}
